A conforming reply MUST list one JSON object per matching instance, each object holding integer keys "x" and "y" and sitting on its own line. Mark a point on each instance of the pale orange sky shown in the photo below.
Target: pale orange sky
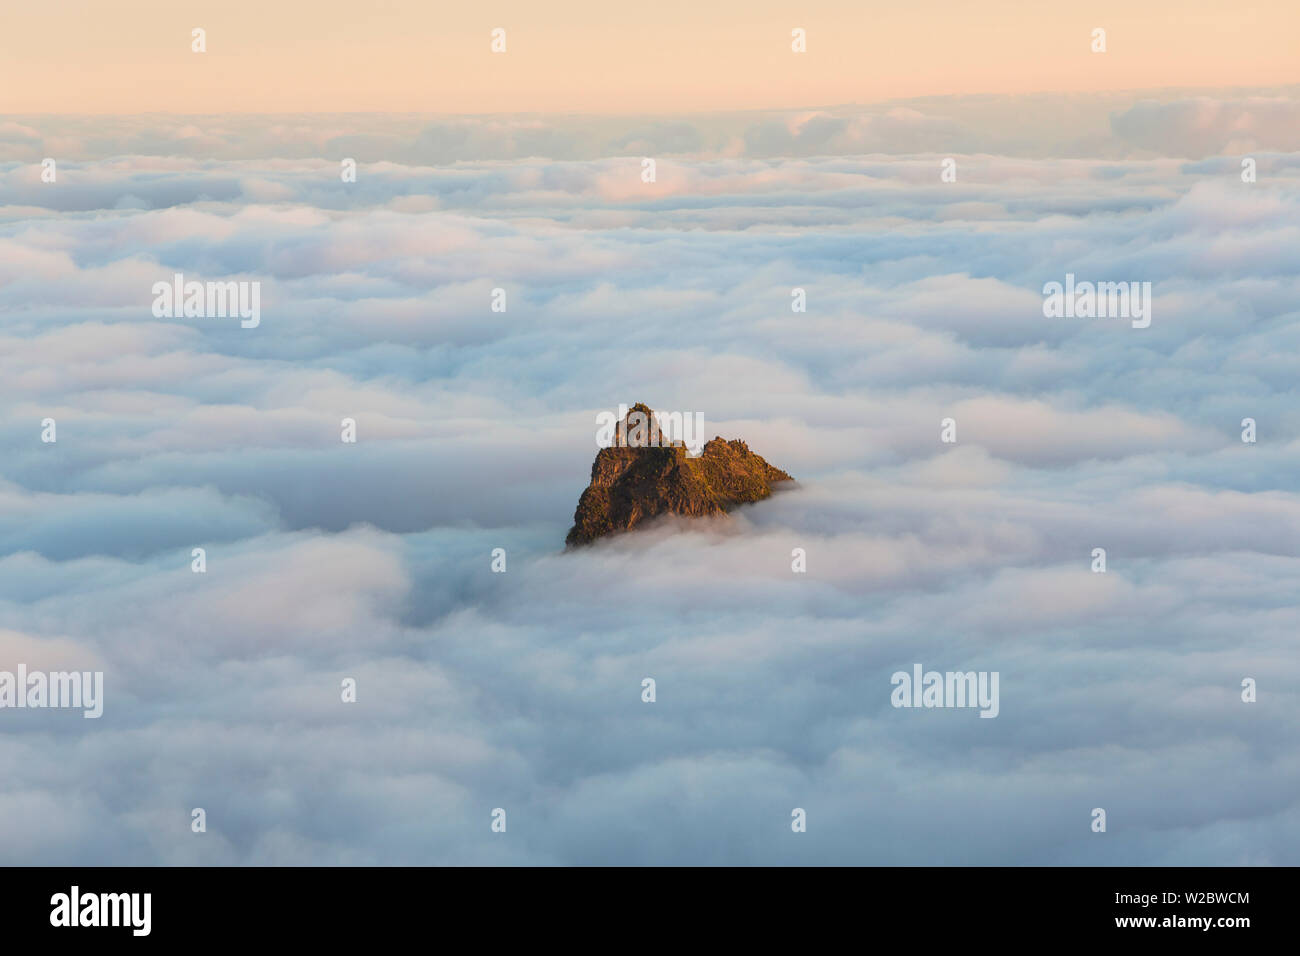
{"x": 91, "y": 56}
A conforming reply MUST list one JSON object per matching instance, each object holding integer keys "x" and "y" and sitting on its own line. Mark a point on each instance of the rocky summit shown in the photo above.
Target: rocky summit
{"x": 642, "y": 475}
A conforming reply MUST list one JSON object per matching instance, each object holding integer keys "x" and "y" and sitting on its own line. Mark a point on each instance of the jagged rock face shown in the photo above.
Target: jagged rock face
{"x": 631, "y": 483}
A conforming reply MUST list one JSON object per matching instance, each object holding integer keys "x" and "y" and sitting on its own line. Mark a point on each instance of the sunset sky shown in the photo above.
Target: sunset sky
{"x": 81, "y": 56}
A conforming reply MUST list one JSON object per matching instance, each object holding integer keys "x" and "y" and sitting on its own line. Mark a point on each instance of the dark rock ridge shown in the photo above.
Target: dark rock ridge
{"x": 632, "y": 481}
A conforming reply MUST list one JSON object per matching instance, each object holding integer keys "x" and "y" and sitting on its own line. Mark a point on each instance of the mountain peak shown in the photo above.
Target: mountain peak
{"x": 640, "y": 427}
{"x": 635, "y": 479}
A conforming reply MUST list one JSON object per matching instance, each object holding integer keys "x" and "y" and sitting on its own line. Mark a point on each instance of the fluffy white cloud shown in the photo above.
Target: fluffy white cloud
{"x": 476, "y": 429}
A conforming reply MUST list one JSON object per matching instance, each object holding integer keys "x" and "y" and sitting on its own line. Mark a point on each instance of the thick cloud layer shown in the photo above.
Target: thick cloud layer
{"x": 522, "y": 690}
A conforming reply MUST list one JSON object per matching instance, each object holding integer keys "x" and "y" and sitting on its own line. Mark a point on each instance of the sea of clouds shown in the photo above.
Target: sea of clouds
{"x": 522, "y": 690}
